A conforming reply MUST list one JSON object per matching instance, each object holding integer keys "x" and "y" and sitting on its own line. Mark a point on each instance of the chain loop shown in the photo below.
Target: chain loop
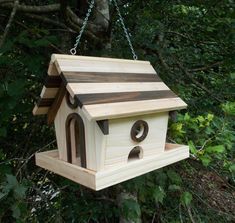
{"x": 73, "y": 51}
{"x": 135, "y": 57}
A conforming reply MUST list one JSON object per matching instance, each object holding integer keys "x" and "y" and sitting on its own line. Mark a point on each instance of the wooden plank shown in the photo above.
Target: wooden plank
{"x": 48, "y": 92}
{"x": 53, "y": 82}
{"x": 101, "y": 98}
{"x": 94, "y": 136}
{"x": 45, "y": 102}
{"x": 56, "y": 104}
{"x": 87, "y": 88}
{"x": 119, "y": 142}
{"x": 136, "y": 168}
{"x": 131, "y": 108}
{"x": 52, "y": 70}
{"x": 81, "y": 65}
{"x": 90, "y": 58}
{"x": 40, "y": 110}
{"x": 104, "y": 126}
{"x": 105, "y": 178}
{"x": 50, "y": 161}
{"x": 98, "y": 77}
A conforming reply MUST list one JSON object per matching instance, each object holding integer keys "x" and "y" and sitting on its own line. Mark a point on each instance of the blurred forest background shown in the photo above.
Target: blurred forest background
{"x": 191, "y": 44}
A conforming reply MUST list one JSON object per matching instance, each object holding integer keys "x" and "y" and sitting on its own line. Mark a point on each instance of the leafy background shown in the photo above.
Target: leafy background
{"x": 191, "y": 45}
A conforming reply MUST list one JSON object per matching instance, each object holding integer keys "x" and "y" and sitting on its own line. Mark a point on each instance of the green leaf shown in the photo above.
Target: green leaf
{"x": 205, "y": 160}
{"x": 174, "y": 177}
{"x": 15, "y": 211}
{"x": 215, "y": 149}
{"x": 229, "y": 108}
{"x": 20, "y": 191}
{"x": 232, "y": 168}
{"x": 174, "y": 187}
{"x": 159, "y": 194}
{"x": 192, "y": 148}
{"x": 11, "y": 180}
{"x": 131, "y": 209}
{"x": 186, "y": 198}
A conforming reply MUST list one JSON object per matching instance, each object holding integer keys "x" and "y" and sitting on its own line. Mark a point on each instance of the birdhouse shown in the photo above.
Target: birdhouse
{"x": 110, "y": 118}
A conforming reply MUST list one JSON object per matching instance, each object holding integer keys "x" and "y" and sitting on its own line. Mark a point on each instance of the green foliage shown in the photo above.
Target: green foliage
{"x": 186, "y": 198}
{"x": 191, "y": 45}
{"x": 130, "y": 209}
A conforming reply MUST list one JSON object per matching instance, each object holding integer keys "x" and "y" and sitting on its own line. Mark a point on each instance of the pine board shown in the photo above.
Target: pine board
{"x": 131, "y": 108}
{"x": 105, "y": 178}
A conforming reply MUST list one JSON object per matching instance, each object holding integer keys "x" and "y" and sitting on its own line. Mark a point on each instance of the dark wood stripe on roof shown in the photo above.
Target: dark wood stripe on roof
{"x": 100, "y": 98}
{"x": 45, "y": 102}
{"x": 87, "y": 77}
{"x": 56, "y": 104}
{"x": 53, "y": 81}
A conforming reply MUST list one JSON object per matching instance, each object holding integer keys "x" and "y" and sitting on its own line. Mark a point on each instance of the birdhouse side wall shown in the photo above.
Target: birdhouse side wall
{"x": 120, "y": 143}
{"x": 94, "y": 139}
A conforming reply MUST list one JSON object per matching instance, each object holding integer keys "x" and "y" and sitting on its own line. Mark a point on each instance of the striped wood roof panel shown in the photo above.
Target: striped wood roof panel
{"x": 107, "y": 88}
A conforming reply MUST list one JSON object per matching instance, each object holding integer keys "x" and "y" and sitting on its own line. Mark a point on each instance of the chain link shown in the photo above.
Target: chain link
{"x": 125, "y": 31}
{"x": 73, "y": 51}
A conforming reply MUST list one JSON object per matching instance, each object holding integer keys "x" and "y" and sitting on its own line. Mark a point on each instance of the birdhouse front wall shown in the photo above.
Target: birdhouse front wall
{"x": 120, "y": 144}
{"x": 93, "y": 136}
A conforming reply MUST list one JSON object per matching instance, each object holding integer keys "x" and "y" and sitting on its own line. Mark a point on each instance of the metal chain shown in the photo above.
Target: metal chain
{"x": 78, "y": 38}
{"x": 125, "y": 31}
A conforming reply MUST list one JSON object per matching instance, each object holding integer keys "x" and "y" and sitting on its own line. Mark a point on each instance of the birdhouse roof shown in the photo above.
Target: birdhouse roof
{"x": 106, "y": 88}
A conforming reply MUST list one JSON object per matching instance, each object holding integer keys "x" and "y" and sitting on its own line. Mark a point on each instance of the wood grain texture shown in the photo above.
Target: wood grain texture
{"x": 120, "y": 143}
{"x": 52, "y": 70}
{"x": 45, "y": 102}
{"x": 95, "y": 139}
{"x": 102, "y": 77}
{"x": 131, "y": 108}
{"x": 101, "y": 98}
{"x": 56, "y": 104}
{"x": 89, "y": 58}
{"x": 88, "y": 88}
{"x": 64, "y": 65}
{"x": 53, "y": 82}
{"x": 75, "y": 122}
{"x": 135, "y": 168}
{"x": 48, "y": 92}
{"x": 71, "y": 101}
{"x": 50, "y": 161}
{"x": 104, "y": 126}
{"x": 40, "y": 110}
{"x": 105, "y": 178}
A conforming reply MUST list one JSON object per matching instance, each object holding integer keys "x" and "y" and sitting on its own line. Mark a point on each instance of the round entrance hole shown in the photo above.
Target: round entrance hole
{"x": 139, "y": 131}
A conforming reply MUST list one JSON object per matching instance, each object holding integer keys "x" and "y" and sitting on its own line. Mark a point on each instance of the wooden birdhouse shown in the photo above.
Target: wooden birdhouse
{"x": 110, "y": 118}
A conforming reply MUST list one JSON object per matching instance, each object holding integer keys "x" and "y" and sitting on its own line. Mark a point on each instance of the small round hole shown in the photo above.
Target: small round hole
{"x": 139, "y": 131}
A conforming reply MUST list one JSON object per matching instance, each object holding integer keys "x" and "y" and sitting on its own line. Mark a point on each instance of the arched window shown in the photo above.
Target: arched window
{"x": 75, "y": 140}
{"x": 135, "y": 154}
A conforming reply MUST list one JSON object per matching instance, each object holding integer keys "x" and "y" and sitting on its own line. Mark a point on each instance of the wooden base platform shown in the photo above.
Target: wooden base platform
{"x": 105, "y": 178}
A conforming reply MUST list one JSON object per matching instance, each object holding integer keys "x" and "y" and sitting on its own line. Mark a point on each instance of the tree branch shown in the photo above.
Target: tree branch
{"x": 49, "y": 21}
{"x": 77, "y": 21}
{"x": 101, "y": 13}
{"x": 10, "y": 21}
{"x": 201, "y": 86}
{"x": 34, "y": 9}
{"x": 205, "y": 67}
